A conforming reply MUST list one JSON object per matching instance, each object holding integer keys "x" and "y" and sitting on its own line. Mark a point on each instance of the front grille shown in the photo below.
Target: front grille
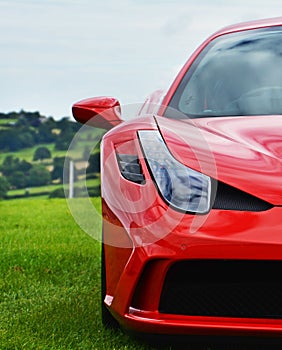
{"x": 223, "y": 288}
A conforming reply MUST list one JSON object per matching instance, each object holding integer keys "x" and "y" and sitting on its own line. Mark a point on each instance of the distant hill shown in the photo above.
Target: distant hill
{"x": 33, "y": 151}
{"x": 22, "y": 129}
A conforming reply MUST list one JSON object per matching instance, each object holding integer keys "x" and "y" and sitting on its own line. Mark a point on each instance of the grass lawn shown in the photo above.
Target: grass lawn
{"x": 27, "y": 153}
{"x": 34, "y": 190}
{"x": 7, "y": 121}
{"x": 52, "y": 187}
{"x": 50, "y": 281}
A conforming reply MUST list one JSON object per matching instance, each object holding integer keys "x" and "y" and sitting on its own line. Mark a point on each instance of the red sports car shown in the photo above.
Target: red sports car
{"x": 192, "y": 194}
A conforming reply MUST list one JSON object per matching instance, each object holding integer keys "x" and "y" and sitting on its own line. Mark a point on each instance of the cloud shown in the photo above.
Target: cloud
{"x": 54, "y": 52}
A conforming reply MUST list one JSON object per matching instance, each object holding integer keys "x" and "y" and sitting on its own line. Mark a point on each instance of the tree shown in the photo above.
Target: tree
{"x": 60, "y": 168}
{"x": 16, "y": 138}
{"x": 24, "y": 166}
{"x": 94, "y": 163}
{"x": 45, "y": 132}
{"x": 41, "y": 153}
{"x": 4, "y": 186}
{"x": 12, "y": 164}
{"x": 67, "y": 132}
{"x": 18, "y": 179}
{"x": 9, "y": 165}
{"x": 39, "y": 176}
{"x": 64, "y": 139}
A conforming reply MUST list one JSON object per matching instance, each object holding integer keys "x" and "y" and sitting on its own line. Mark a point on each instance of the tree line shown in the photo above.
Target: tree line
{"x": 19, "y": 130}
{"x": 27, "y": 129}
{"x": 19, "y": 174}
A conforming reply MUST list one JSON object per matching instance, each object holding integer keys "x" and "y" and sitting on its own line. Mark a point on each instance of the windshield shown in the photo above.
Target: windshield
{"x": 237, "y": 74}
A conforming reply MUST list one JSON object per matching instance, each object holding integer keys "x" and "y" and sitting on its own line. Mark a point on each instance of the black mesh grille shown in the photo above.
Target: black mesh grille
{"x": 224, "y": 288}
{"x": 230, "y": 198}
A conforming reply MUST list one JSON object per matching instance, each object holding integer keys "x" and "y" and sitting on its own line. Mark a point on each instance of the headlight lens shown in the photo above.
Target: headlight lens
{"x": 182, "y": 187}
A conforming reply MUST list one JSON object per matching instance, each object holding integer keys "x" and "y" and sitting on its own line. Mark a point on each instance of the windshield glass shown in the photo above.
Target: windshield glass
{"x": 237, "y": 74}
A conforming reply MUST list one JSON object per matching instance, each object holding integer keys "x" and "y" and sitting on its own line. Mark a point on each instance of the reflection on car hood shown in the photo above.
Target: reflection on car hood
{"x": 244, "y": 152}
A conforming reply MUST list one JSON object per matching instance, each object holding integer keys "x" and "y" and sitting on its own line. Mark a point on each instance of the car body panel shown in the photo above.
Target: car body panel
{"x": 224, "y": 235}
{"x": 247, "y": 151}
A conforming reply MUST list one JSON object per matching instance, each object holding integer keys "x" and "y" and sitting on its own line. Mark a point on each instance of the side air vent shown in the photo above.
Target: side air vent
{"x": 130, "y": 168}
{"x": 230, "y": 198}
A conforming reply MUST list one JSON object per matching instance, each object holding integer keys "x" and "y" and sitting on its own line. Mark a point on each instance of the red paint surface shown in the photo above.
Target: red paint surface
{"x": 144, "y": 236}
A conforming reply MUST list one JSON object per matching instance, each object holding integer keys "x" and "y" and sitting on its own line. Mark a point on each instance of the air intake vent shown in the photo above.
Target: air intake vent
{"x": 130, "y": 168}
{"x": 230, "y": 198}
{"x": 223, "y": 288}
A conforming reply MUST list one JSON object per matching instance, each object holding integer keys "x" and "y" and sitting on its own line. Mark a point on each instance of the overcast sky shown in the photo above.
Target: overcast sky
{"x": 56, "y": 52}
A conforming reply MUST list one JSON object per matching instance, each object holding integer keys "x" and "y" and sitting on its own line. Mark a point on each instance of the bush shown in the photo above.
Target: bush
{"x": 41, "y": 153}
{"x": 78, "y": 192}
{"x": 57, "y": 193}
{"x": 61, "y": 168}
{"x": 39, "y": 176}
{"x": 11, "y": 165}
{"x": 4, "y": 186}
{"x": 94, "y": 191}
{"x": 18, "y": 179}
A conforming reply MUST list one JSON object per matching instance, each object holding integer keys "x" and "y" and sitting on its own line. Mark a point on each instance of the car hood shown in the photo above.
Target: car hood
{"x": 244, "y": 152}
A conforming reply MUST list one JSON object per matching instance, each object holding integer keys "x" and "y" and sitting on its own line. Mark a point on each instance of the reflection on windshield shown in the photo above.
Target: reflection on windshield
{"x": 237, "y": 74}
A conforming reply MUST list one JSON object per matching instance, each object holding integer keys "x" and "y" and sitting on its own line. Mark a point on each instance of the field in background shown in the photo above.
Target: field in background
{"x": 27, "y": 153}
{"x": 35, "y": 151}
{"x": 44, "y": 191}
{"x": 50, "y": 281}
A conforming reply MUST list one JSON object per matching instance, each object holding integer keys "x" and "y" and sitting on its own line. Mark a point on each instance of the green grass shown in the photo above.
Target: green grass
{"x": 34, "y": 190}
{"x": 7, "y": 121}
{"x": 50, "y": 188}
{"x": 50, "y": 281}
{"x": 27, "y": 153}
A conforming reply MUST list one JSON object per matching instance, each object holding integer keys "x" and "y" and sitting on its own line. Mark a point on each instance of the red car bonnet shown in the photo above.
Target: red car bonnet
{"x": 244, "y": 152}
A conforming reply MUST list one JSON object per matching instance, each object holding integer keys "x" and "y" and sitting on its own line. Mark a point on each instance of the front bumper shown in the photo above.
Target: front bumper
{"x": 256, "y": 238}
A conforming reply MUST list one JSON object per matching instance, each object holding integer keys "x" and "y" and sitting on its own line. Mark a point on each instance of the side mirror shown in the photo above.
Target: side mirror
{"x": 99, "y": 112}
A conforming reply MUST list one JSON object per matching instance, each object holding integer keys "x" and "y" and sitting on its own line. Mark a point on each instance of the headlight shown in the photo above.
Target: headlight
{"x": 182, "y": 187}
